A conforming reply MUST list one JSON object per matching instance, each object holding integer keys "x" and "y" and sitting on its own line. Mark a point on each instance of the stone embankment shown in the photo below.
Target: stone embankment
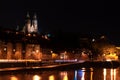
{"x": 28, "y": 65}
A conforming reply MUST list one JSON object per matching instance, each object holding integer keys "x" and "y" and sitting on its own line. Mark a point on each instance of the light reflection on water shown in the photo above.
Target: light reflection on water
{"x": 64, "y": 75}
{"x": 111, "y": 74}
{"x": 37, "y": 77}
{"x": 13, "y": 78}
{"x": 81, "y": 74}
{"x": 51, "y": 77}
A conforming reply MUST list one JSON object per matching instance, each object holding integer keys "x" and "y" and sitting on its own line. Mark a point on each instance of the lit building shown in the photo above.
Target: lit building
{"x": 31, "y": 26}
{"x": 27, "y": 44}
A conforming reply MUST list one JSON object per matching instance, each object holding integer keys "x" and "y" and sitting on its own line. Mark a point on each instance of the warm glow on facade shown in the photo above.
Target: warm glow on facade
{"x": 54, "y": 56}
{"x": 111, "y": 57}
{"x": 64, "y": 55}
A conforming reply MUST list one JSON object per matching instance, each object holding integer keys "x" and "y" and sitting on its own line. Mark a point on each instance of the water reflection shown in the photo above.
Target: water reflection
{"x": 81, "y": 74}
{"x": 37, "y": 77}
{"x": 51, "y": 77}
{"x": 91, "y": 73}
{"x": 64, "y": 75}
{"x": 114, "y": 74}
{"x": 110, "y": 74}
{"x": 13, "y": 78}
{"x": 104, "y": 73}
{"x": 75, "y": 77}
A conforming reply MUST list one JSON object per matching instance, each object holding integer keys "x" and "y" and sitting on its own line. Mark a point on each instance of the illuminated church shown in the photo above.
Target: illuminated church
{"x": 25, "y": 44}
{"x": 31, "y": 26}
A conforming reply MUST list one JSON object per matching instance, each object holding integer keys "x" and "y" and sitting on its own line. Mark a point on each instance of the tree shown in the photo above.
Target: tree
{"x": 103, "y": 47}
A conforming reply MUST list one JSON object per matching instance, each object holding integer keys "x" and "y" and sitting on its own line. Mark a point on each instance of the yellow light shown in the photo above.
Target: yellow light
{"x": 36, "y": 77}
{"x": 54, "y": 55}
{"x": 104, "y": 73}
{"x": 114, "y": 74}
{"x": 51, "y": 77}
{"x": 91, "y": 73}
{"x": 14, "y": 50}
{"x": 37, "y": 51}
{"x": 118, "y": 47}
{"x": 29, "y": 34}
{"x": 14, "y": 78}
{"x": 5, "y": 49}
{"x": 111, "y": 74}
{"x": 65, "y": 77}
{"x": 111, "y": 57}
{"x": 51, "y": 51}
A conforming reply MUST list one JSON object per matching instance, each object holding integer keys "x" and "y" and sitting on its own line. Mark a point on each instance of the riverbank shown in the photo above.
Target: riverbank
{"x": 34, "y": 65}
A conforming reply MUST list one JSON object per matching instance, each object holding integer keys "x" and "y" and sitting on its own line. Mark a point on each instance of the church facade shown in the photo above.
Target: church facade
{"x": 31, "y": 25}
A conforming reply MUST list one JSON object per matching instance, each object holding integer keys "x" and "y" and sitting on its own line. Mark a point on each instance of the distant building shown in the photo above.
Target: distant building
{"x": 31, "y": 26}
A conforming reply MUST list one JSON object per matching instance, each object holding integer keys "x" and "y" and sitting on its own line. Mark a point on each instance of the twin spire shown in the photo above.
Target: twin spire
{"x": 31, "y": 26}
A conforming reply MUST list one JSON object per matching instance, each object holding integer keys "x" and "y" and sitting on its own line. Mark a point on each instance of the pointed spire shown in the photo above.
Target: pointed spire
{"x": 28, "y": 16}
{"x": 35, "y": 23}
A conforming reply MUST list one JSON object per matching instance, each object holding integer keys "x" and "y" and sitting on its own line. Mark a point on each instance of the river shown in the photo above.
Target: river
{"x": 80, "y": 74}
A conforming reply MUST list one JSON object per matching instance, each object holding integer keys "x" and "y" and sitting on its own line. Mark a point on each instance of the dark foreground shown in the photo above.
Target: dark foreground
{"x": 71, "y": 74}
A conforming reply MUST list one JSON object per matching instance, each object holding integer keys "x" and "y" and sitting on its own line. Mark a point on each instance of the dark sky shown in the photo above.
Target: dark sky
{"x": 64, "y": 15}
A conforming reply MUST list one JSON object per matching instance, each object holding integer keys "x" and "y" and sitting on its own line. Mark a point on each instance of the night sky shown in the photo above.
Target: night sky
{"x": 94, "y": 17}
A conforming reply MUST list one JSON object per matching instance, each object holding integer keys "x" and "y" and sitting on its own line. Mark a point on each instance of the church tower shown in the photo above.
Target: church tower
{"x": 31, "y": 26}
{"x": 28, "y": 24}
{"x": 35, "y": 23}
